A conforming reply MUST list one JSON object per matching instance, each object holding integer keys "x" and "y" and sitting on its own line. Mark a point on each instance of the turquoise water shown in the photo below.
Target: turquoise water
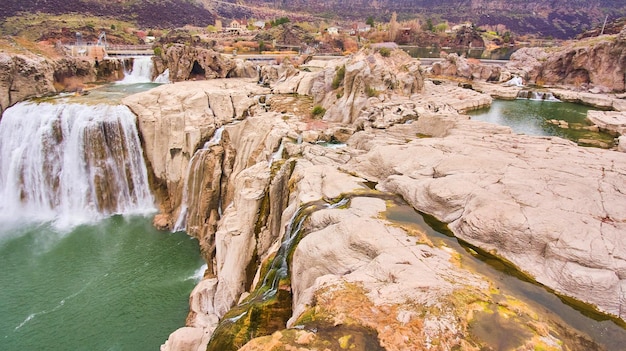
{"x": 116, "y": 285}
{"x": 532, "y": 117}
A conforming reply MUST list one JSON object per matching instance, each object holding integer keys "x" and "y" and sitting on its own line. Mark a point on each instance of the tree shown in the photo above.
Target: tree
{"x": 370, "y": 21}
{"x": 429, "y": 25}
{"x": 393, "y": 27}
{"x": 506, "y": 37}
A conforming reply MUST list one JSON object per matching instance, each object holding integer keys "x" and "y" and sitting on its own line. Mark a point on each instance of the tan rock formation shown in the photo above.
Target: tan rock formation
{"x": 25, "y": 76}
{"x": 552, "y": 201}
{"x": 612, "y": 122}
{"x": 458, "y": 66}
{"x": 596, "y": 63}
{"x": 22, "y": 77}
{"x": 551, "y": 208}
{"x": 177, "y": 119}
{"x": 344, "y": 87}
{"x": 195, "y": 63}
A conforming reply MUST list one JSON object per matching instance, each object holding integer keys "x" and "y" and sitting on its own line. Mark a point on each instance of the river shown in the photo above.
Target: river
{"x": 82, "y": 266}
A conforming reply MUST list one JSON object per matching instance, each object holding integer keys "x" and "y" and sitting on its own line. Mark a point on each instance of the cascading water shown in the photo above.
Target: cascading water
{"x": 242, "y": 320}
{"x": 536, "y": 95}
{"x": 181, "y": 222}
{"x": 278, "y": 155}
{"x": 164, "y": 77}
{"x": 71, "y": 163}
{"x": 141, "y": 71}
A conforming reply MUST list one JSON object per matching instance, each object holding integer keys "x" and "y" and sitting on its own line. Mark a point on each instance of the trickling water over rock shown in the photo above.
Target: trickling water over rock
{"x": 70, "y": 161}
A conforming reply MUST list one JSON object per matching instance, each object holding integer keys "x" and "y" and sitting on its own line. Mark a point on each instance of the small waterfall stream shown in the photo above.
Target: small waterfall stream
{"x": 536, "y": 95}
{"x": 71, "y": 163}
{"x": 181, "y": 221}
{"x": 141, "y": 72}
{"x": 270, "y": 300}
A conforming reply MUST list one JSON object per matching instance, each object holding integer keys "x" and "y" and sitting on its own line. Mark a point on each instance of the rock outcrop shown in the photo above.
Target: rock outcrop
{"x": 177, "y": 120}
{"x": 26, "y": 76}
{"x": 195, "y": 63}
{"x": 22, "y": 77}
{"x": 347, "y": 87}
{"x": 598, "y": 64}
{"x": 452, "y": 184}
{"x": 458, "y": 66}
{"x": 357, "y": 276}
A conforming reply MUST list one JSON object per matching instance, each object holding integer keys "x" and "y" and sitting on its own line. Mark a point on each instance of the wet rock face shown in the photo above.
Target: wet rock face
{"x": 176, "y": 120}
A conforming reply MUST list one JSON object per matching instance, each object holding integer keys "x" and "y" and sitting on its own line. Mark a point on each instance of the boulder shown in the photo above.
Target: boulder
{"x": 612, "y": 122}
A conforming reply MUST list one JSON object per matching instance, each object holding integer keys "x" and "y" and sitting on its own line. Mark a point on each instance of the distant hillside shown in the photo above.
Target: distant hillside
{"x": 557, "y": 18}
{"x": 146, "y": 13}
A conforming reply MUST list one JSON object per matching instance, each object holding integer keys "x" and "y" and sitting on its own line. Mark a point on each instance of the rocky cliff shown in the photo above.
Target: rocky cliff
{"x": 186, "y": 62}
{"x": 26, "y": 76}
{"x": 598, "y": 63}
{"x": 303, "y": 252}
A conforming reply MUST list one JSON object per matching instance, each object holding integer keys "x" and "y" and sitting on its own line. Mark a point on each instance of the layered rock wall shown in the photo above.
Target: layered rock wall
{"x": 598, "y": 64}
{"x": 26, "y": 76}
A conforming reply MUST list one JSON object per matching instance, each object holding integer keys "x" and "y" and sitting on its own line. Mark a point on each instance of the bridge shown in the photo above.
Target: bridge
{"x": 99, "y": 52}
{"x": 129, "y": 50}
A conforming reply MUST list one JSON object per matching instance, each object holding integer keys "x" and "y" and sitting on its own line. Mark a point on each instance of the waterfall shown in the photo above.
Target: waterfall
{"x": 536, "y": 96}
{"x": 141, "y": 71}
{"x": 181, "y": 221}
{"x": 70, "y": 163}
{"x": 278, "y": 155}
{"x": 163, "y": 78}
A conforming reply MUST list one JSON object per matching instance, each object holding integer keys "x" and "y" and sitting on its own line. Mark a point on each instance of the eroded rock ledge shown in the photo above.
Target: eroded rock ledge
{"x": 553, "y": 209}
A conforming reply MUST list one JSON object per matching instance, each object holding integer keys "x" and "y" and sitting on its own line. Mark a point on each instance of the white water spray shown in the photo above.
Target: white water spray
{"x": 141, "y": 71}
{"x": 70, "y": 163}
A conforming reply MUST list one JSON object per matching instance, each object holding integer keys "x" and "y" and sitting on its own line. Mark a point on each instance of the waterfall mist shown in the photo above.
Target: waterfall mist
{"x": 70, "y": 163}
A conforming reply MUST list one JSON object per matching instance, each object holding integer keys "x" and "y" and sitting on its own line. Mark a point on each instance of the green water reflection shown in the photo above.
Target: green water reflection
{"x": 533, "y": 118}
{"x": 116, "y": 285}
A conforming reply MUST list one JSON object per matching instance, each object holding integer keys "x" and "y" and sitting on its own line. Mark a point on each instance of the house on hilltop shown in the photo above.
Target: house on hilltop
{"x": 237, "y": 26}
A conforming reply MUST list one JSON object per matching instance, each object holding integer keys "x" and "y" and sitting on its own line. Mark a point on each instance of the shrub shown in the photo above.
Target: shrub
{"x": 371, "y": 92}
{"x": 318, "y": 111}
{"x": 158, "y": 51}
{"x": 341, "y": 73}
{"x": 384, "y": 52}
